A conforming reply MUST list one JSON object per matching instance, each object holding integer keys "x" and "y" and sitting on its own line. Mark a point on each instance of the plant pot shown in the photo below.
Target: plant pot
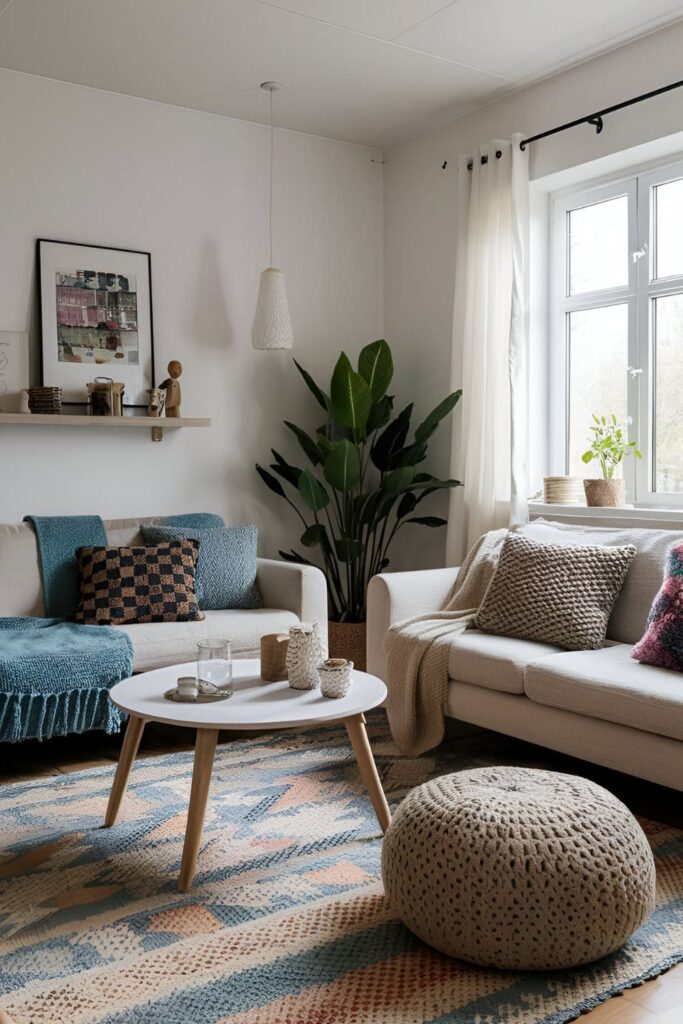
{"x": 347, "y": 640}
{"x": 562, "y": 490}
{"x": 605, "y": 493}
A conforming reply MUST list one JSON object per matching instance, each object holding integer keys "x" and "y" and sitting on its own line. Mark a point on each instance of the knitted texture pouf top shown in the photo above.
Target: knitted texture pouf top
{"x": 518, "y": 868}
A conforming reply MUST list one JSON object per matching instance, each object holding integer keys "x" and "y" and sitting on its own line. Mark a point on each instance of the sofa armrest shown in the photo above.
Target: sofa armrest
{"x": 394, "y": 596}
{"x": 295, "y": 588}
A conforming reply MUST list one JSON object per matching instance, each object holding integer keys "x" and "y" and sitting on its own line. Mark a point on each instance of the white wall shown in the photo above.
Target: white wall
{"x": 87, "y": 166}
{"x": 419, "y": 202}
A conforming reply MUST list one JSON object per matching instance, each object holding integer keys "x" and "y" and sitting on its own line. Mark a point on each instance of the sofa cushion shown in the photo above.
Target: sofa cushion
{"x": 138, "y": 584}
{"x": 610, "y": 685}
{"x": 643, "y": 580}
{"x": 158, "y": 644}
{"x": 494, "y": 662}
{"x": 558, "y": 594}
{"x": 663, "y": 641}
{"x": 226, "y": 566}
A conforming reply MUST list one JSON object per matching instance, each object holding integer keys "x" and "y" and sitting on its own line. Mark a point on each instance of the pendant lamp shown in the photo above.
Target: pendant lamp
{"x": 272, "y": 326}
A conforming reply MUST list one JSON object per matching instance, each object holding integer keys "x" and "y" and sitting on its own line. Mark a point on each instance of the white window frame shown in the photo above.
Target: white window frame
{"x": 639, "y": 294}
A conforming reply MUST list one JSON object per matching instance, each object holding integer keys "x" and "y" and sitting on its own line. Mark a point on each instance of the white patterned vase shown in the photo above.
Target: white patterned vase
{"x": 305, "y": 652}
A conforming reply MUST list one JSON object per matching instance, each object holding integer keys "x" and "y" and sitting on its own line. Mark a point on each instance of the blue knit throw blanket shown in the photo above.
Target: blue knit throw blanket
{"x": 59, "y": 538}
{"x": 55, "y": 677}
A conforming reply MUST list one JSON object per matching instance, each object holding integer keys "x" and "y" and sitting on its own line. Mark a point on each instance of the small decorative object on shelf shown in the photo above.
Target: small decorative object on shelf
{"x": 14, "y": 374}
{"x": 172, "y": 388}
{"x": 562, "y": 490}
{"x": 335, "y": 677}
{"x": 45, "y": 400}
{"x": 304, "y": 653}
{"x": 105, "y": 397}
{"x": 274, "y": 657}
{"x": 157, "y": 398}
{"x": 24, "y": 407}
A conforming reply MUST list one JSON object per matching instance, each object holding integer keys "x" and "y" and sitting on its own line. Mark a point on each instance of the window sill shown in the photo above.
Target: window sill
{"x": 629, "y": 515}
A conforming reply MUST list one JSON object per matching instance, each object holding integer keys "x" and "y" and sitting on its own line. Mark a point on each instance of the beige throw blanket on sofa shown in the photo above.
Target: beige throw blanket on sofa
{"x": 418, "y": 650}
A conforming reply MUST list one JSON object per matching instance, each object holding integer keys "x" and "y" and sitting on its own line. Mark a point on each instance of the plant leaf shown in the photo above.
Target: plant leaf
{"x": 270, "y": 481}
{"x": 406, "y": 505}
{"x": 429, "y": 425}
{"x": 380, "y": 414}
{"x": 342, "y": 466}
{"x": 312, "y": 491}
{"x": 349, "y": 396}
{"x": 294, "y": 556}
{"x": 315, "y": 534}
{"x": 432, "y": 521}
{"x": 391, "y": 440}
{"x": 398, "y": 480}
{"x": 307, "y": 443}
{"x": 409, "y": 456}
{"x": 425, "y": 481}
{"x": 320, "y": 395}
{"x": 289, "y": 473}
{"x": 376, "y": 367}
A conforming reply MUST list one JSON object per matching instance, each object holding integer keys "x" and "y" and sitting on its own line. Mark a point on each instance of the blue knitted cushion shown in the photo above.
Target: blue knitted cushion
{"x": 226, "y": 566}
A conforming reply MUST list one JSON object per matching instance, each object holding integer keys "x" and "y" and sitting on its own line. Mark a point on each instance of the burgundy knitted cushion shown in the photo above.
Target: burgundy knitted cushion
{"x": 662, "y": 644}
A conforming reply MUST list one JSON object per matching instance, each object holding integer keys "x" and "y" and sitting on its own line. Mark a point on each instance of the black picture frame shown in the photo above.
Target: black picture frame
{"x": 48, "y": 333}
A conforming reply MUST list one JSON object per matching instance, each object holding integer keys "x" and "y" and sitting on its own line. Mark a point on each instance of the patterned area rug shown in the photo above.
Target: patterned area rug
{"x": 286, "y": 923}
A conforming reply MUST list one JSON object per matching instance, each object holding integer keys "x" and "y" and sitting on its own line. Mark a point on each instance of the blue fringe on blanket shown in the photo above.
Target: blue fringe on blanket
{"x": 55, "y": 677}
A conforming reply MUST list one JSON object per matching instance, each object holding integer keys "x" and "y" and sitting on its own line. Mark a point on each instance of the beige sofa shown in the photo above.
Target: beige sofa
{"x": 601, "y": 705}
{"x": 291, "y": 593}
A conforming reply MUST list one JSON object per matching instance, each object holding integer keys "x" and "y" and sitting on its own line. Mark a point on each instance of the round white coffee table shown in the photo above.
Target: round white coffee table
{"x": 255, "y": 704}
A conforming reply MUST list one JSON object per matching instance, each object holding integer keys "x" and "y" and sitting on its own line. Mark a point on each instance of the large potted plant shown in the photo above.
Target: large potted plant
{"x": 609, "y": 446}
{"x": 361, "y": 486}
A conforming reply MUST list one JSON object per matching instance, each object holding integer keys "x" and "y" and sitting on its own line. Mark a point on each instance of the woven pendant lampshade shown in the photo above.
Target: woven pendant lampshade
{"x": 272, "y": 327}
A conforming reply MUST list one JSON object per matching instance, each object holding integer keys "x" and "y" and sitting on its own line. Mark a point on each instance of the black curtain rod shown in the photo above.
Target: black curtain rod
{"x": 595, "y": 119}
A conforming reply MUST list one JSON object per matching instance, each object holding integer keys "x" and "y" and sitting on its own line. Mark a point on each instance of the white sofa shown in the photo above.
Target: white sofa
{"x": 601, "y": 705}
{"x": 291, "y": 593}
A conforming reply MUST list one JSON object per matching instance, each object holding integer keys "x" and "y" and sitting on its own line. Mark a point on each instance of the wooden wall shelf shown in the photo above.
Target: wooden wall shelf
{"x": 157, "y": 426}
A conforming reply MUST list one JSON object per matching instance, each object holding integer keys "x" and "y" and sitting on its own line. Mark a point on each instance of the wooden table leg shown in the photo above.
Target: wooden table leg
{"x": 204, "y": 750}
{"x": 355, "y": 727}
{"x": 131, "y": 742}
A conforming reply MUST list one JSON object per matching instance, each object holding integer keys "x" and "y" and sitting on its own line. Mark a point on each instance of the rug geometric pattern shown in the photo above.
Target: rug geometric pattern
{"x": 286, "y": 922}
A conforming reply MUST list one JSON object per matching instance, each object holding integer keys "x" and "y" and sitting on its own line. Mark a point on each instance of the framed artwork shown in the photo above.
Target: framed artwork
{"x": 14, "y": 370}
{"x": 96, "y": 319}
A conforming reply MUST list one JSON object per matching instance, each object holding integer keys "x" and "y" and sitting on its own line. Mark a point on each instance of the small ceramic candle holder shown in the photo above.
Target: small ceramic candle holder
{"x": 188, "y": 688}
{"x": 335, "y": 677}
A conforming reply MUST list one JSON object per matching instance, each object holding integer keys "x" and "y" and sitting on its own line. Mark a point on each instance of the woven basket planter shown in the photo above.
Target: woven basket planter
{"x": 605, "y": 493}
{"x": 347, "y": 640}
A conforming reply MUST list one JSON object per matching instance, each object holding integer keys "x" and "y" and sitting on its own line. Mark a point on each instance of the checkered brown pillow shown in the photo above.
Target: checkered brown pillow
{"x": 124, "y": 585}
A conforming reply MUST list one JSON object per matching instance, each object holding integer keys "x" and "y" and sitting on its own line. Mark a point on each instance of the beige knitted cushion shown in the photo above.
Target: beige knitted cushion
{"x": 554, "y": 593}
{"x": 518, "y": 868}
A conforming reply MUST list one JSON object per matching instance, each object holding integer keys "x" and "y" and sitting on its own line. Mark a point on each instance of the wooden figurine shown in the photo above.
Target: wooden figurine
{"x": 155, "y": 402}
{"x": 172, "y": 388}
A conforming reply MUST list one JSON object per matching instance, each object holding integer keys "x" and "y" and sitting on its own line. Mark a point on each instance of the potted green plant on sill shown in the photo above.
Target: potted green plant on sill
{"x": 609, "y": 446}
{"x": 361, "y": 487}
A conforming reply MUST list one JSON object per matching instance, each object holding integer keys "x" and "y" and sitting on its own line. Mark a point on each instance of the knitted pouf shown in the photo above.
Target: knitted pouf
{"x": 518, "y": 868}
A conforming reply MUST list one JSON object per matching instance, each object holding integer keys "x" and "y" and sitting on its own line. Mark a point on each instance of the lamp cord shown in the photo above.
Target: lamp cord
{"x": 270, "y": 208}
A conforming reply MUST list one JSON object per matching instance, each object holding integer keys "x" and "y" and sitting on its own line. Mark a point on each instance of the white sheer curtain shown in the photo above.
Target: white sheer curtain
{"x": 490, "y": 345}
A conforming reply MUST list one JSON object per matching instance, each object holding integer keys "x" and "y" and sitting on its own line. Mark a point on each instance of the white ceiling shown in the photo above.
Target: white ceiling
{"x": 366, "y": 71}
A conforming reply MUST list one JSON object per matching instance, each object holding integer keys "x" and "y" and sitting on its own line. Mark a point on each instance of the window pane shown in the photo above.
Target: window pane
{"x": 598, "y": 375}
{"x": 669, "y": 228}
{"x": 598, "y": 246}
{"x": 668, "y": 393}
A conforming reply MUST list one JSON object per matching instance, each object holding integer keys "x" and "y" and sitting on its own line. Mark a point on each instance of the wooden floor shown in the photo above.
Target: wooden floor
{"x": 656, "y": 1002}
